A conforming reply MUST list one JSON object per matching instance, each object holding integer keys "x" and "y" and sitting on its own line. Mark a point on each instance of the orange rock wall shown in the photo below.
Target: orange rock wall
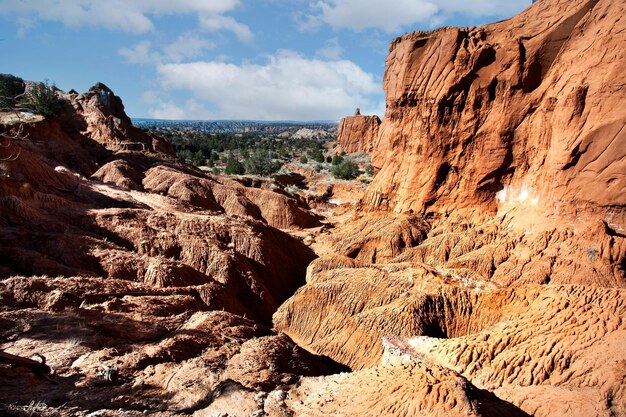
{"x": 357, "y": 134}
{"x": 530, "y": 108}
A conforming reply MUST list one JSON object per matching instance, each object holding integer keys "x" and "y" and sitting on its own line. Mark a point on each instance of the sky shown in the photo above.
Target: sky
{"x": 225, "y": 59}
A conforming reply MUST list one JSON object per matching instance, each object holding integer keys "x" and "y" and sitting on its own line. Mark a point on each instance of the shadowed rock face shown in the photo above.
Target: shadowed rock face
{"x": 160, "y": 272}
{"x": 531, "y": 105}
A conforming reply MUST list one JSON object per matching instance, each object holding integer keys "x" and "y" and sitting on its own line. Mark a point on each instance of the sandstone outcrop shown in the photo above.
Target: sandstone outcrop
{"x": 482, "y": 273}
{"x": 492, "y": 241}
{"x": 397, "y": 390}
{"x": 357, "y": 134}
{"x": 526, "y": 344}
{"x": 138, "y": 276}
{"x": 530, "y": 108}
{"x": 99, "y": 115}
{"x": 121, "y": 347}
{"x": 228, "y": 196}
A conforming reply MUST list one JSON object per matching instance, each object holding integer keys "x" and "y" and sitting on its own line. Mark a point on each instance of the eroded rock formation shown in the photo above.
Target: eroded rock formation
{"x": 482, "y": 274}
{"x": 531, "y": 103}
{"x": 357, "y": 134}
{"x": 136, "y": 288}
{"x": 502, "y": 155}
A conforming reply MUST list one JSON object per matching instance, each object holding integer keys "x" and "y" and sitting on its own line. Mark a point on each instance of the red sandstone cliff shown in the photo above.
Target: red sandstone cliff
{"x": 357, "y": 134}
{"x": 503, "y": 154}
{"x": 529, "y": 110}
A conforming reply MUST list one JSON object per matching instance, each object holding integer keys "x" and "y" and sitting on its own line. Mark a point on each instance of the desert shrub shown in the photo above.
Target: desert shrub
{"x": 304, "y": 159}
{"x": 233, "y": 166}
{"x": 42, "y": 99}
{"x": 337, "y": 159}
{"x": 329, "y": 159}
{"x": 261, "y": 163}
{"x": 317, "y": 155}
{"x": 346, "y": 170}
{"x": 11, "y": 87}
{"x": 369, "y": 170}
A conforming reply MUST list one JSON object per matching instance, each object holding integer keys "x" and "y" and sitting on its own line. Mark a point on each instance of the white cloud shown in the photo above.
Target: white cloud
{"x": 393, "y": 15}
{"x": 23, "y": 25}
{"x": 478, "y": 8}
{"x": 384, "y": 14}
{"x": 141, "y": 53}
{"x": 161, "y": 106}
{"x": 185, "y": 46}
{"x": 168, "y": 110}
{"x": 331, "y": 50}
{"x": 124, "y": 15}
{"x": 287, "y": 87}
{"x": 216, "y": 23}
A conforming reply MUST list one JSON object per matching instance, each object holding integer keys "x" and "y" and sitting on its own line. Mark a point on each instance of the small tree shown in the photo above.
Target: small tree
{"x": 317, "y": 155}
{"x": 233, "y": 166}
{"x": 337, "y": 159}
{"x": 42, "y": 99}
{"x": 346, "y": 170}
{"x": 304, "y": 159}
{"x": 11, "y": 88}
{"x": 369, "y": 170}
{"x": 261, "y": 163}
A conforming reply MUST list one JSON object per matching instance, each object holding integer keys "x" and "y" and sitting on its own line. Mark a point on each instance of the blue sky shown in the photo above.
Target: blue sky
{"x": 225, "y": 59}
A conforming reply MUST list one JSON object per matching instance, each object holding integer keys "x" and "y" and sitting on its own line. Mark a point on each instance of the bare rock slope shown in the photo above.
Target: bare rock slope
{"x": 492, "y": 241}
{"x": 137, "y": 276}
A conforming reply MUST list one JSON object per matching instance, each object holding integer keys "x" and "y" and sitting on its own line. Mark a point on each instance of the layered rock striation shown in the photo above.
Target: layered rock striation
{"x": 530, "y": 106}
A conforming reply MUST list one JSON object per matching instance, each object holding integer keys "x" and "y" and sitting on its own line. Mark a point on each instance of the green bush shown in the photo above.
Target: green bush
{"x": 317, "y": 155}
{"x": 42, "y": 99}
{"x": 261, "y": 163}
{"x": 304, "y": 159}
{"x": 11, "y": 87}
{"x": 369, "y": 170}
{"x": 346, "y": 170}
{"x": 337, "y": 160}
{"x": 233, "y": 166}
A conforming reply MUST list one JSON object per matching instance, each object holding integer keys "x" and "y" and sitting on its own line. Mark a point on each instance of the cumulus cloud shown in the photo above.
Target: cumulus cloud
{"x": 186, "y": 46}
{"x": 214, "y": 23}
{"x": 168, "y": 110}
{"x": 161, "y": 106}
{"x": 332, "y": 50}
{"x": 393, "y": 15}
{"x": 124, "y": 15}
{"x": 192, "y": 110}
{"x": 141, "y": 53}
{"x": 287, "y": 86}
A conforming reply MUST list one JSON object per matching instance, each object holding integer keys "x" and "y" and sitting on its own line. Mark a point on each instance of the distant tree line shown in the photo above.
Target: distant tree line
{"x": 248, "y": 153}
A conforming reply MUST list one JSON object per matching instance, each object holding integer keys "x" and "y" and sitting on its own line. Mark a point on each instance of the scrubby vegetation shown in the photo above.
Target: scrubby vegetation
{"x": 346, "y": 170}
{"x": 40, "y": 98}
{"x": 43, "y": 99}
{"x": 11, "y": 89}
{"x": 249, "y": 153}
{"x": 262, "y": 154}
